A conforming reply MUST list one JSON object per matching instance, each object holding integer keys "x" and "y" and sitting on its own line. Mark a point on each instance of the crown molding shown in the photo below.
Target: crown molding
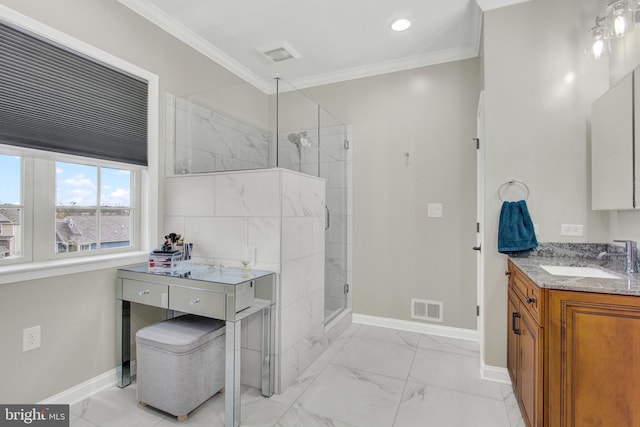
{"x": 440, "y": 57}
{"x": 495, "y": 4}
{"x": 172, "y": 26}
{"x": 158, "y": 17}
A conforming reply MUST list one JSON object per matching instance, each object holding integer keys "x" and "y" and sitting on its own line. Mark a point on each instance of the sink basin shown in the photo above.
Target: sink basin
{"x": 560, "y": 270}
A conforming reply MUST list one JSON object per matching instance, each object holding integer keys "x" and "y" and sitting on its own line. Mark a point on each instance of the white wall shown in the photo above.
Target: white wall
{"x": 77, "y": 312}
{"x": 398, "y": 252}
{"x": 539, "y": 87}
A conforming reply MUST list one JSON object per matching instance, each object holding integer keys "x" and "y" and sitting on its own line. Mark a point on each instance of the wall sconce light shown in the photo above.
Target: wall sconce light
{"x": 599, "y": 41}
{"x": 620, "y": 16}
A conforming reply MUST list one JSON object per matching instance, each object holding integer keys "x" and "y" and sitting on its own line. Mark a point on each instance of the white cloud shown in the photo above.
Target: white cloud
{"x": 118, "y": 197}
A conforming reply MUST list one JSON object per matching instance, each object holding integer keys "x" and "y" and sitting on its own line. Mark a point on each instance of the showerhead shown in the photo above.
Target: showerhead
{"x": 294, "y": 138}
{"x": 299, "y": 139}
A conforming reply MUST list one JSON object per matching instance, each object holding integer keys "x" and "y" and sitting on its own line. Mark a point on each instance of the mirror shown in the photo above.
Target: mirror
{"x": 612, "y": 147}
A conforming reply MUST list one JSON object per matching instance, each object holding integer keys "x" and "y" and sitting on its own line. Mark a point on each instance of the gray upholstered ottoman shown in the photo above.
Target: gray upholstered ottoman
{"x": 180, "y": 363}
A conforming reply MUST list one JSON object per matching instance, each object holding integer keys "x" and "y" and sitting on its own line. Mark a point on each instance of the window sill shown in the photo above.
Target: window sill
{"x": 41, "y": 270}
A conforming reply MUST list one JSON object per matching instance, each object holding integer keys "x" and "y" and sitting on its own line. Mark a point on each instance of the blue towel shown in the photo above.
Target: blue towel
{"x": 516, "y": 235}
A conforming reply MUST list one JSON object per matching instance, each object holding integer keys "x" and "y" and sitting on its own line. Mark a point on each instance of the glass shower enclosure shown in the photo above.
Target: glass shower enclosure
{"x": 244, "y": 127}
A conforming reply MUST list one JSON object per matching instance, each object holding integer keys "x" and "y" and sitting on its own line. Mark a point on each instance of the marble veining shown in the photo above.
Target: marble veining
{"x": 579, "y": 255}
{"x": 330, "y": 395}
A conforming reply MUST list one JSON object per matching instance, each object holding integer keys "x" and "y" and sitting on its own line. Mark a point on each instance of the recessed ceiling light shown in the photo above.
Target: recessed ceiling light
{"x": 401, "y": 25}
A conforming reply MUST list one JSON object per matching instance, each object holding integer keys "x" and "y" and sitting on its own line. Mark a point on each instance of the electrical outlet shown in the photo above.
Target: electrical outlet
{"x": 575, "y": 230}
{"x": 31, "y": 338}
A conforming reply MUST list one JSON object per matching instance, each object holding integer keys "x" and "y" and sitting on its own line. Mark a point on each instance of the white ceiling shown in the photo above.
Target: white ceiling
{"x": 338, "y": 40}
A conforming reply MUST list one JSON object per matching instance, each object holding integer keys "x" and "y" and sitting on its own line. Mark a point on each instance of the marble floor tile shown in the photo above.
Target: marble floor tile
{"x": 369, "y": 377}
{"x": 293, "y": 392}
{"x": 76, "y": 421}
{"x": 513, "y": 410}
{"x": 114, "y": 407}
{"x": 449, "y": 345}
{"x": 388, "y": 335}
{"x": 425, "y": 405}
{"x": 298, "y": 417}
{"x": 334, "y": 348}
{"x": 353, "y": 397}
{"x": 453, "y": 372}
{"x": 376, "y": 356}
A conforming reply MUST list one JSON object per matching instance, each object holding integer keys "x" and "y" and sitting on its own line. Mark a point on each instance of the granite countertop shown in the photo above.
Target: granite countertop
{"x": 578, "y": 255}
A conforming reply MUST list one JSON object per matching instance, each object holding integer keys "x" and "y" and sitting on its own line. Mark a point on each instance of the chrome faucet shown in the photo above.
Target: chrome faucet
{"x": 631, "y": 255}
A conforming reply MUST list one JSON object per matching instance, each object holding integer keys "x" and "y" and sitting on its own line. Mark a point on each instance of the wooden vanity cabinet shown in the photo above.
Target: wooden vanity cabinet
{"x": 594, "y": 363}
{"x": 525, "y": 339}
{"x": 573, "y": 357}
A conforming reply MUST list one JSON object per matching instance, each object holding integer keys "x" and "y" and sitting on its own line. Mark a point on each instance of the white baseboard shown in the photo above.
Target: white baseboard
{"x": 495, "y": 373}
{"x": 489, "y": 373}
{"x": 88, "y": 388}
{"x": 82, "y": 391}
{"x": 422, "y": 328}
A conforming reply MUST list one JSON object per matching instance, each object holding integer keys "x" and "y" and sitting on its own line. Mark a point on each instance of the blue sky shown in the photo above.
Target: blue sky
{"x": 10, "y": 187}
{"x": 76, "y": 184}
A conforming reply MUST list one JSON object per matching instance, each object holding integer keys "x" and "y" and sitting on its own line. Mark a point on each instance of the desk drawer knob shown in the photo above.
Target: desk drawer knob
{"x": 195, "y": 301}
{"x": 145, "y": 292}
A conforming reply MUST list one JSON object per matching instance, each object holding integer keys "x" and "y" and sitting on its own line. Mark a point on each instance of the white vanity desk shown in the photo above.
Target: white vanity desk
{"x": 232, "y": 295}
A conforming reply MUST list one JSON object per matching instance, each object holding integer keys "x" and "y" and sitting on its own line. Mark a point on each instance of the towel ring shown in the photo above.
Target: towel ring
{"x": 512, "y": 182}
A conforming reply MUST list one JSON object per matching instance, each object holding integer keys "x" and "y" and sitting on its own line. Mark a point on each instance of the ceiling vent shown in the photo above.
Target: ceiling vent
{"x": 279, "y": 52}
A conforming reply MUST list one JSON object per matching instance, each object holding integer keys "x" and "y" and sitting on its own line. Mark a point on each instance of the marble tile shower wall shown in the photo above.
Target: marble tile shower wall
{"x": 207, "y": 141}
{"x": 281, "y": 214}
{"x": 301, "y": 301}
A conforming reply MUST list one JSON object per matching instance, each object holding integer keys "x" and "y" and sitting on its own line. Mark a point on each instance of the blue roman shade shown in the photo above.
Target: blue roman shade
{"x": 54, "y": 99}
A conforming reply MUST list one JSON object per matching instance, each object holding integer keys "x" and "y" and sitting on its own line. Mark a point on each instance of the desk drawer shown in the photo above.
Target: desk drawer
{"x": 154, "y": 294}
{"x": 197, "y": 301}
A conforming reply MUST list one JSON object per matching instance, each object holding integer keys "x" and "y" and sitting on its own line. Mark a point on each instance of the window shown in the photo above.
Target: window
{"x": 51, "y": 208}
{"x": 11, "y": 207}
{"x": 81, "y": 223}
{"x": 106, "y": 121}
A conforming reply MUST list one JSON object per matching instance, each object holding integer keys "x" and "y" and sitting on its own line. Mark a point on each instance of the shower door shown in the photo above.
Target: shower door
{"x": 335, "y": 158}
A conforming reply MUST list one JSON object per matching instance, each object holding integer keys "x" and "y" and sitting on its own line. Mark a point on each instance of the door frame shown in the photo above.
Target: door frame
{"x": 480, "y": 135}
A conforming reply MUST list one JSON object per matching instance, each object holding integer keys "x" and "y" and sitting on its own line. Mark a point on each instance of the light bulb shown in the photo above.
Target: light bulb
{"x": 401, "y": 25}
{"x": 597, "y": 48}
{"x": 619, "y": 25}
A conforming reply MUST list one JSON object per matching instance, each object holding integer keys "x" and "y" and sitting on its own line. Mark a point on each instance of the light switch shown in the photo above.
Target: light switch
{"x": 434, "y": 210}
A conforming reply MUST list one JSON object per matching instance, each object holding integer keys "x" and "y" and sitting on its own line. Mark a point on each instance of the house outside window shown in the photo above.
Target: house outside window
{"x": 93, "y": 208}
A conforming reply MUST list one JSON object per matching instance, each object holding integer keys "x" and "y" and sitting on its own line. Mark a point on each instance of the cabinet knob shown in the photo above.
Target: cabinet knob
{"x": 507, "y": 273}
{"x": 195, "y": 301}
{"x": 530, "y": 300}
{"x": 145, "y": 292}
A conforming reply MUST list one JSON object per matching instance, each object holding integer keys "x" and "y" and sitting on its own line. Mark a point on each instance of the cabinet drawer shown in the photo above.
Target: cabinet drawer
{"x": 529, "y": 293}
{"x": 154, "y": 294}
{"x": 197, "y": 301}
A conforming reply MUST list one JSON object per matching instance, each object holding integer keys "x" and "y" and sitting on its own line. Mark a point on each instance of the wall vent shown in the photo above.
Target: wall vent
{"x": 426, "y": 310}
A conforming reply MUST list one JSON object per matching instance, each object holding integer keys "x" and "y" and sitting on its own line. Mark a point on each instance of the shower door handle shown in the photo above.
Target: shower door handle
{"x": 327, "y": 222}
